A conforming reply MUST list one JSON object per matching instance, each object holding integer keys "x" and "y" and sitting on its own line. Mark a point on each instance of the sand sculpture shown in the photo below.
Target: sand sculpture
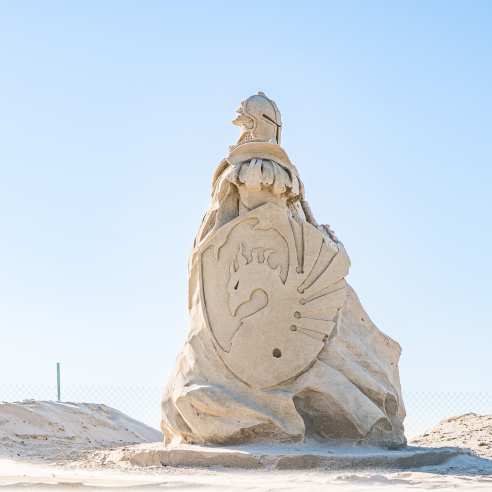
{"x": 279, "y": 347}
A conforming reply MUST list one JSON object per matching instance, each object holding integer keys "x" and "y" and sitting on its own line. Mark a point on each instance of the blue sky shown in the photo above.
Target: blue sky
{"x": 114, "y": 115}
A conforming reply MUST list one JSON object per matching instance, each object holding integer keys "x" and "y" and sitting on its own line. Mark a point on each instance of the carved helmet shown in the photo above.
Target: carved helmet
{"x": 259, "y": 119}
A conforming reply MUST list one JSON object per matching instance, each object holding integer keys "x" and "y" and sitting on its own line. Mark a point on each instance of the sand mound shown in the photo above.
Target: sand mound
{"x": 50, "y": 430}
{"x": 470, "y": 431}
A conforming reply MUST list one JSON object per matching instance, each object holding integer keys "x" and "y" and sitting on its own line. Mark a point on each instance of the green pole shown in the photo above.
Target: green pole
{"x": 58, "y": 382}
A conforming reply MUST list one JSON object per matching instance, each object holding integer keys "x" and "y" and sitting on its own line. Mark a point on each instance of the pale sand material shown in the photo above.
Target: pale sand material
{"x": 45, "y": 463}
{"x": 47, "y": 430}
{"x": 470, "y": 431}
{"x": 279, "y": 348}
{"x": 280, "y": 457}
{"x": 23, "y": 476}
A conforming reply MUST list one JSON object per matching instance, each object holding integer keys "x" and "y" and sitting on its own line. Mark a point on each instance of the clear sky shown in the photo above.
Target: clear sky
{"x": 113, "y": 116}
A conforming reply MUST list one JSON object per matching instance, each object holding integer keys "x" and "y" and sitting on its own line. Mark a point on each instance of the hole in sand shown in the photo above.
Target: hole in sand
{"x": 277, "y": 353}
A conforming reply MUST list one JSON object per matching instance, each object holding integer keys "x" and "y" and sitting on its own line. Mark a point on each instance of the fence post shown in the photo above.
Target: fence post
{"x": 58, "y": 382}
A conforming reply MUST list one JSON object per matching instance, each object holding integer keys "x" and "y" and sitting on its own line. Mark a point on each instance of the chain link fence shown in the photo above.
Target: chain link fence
{"x": 424, "y": 409}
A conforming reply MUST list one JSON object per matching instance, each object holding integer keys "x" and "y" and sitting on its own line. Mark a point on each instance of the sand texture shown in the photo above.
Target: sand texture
{"x": 66, "y": 446}
{"x": 470, "y": 431}
{"x": 46, "y": 430}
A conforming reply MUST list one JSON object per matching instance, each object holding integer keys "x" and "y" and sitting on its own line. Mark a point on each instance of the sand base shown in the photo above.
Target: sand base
{"x": 282, "y": 457}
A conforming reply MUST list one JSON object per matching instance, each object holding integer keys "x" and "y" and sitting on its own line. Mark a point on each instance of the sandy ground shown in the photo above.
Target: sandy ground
{"x": 50, "y": 446}
{"x": 50, "y": 431}
{"x": 469, "y": 431}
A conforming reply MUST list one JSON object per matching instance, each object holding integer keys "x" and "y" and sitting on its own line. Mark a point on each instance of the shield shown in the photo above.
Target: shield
{"x": 271, "y": 289}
